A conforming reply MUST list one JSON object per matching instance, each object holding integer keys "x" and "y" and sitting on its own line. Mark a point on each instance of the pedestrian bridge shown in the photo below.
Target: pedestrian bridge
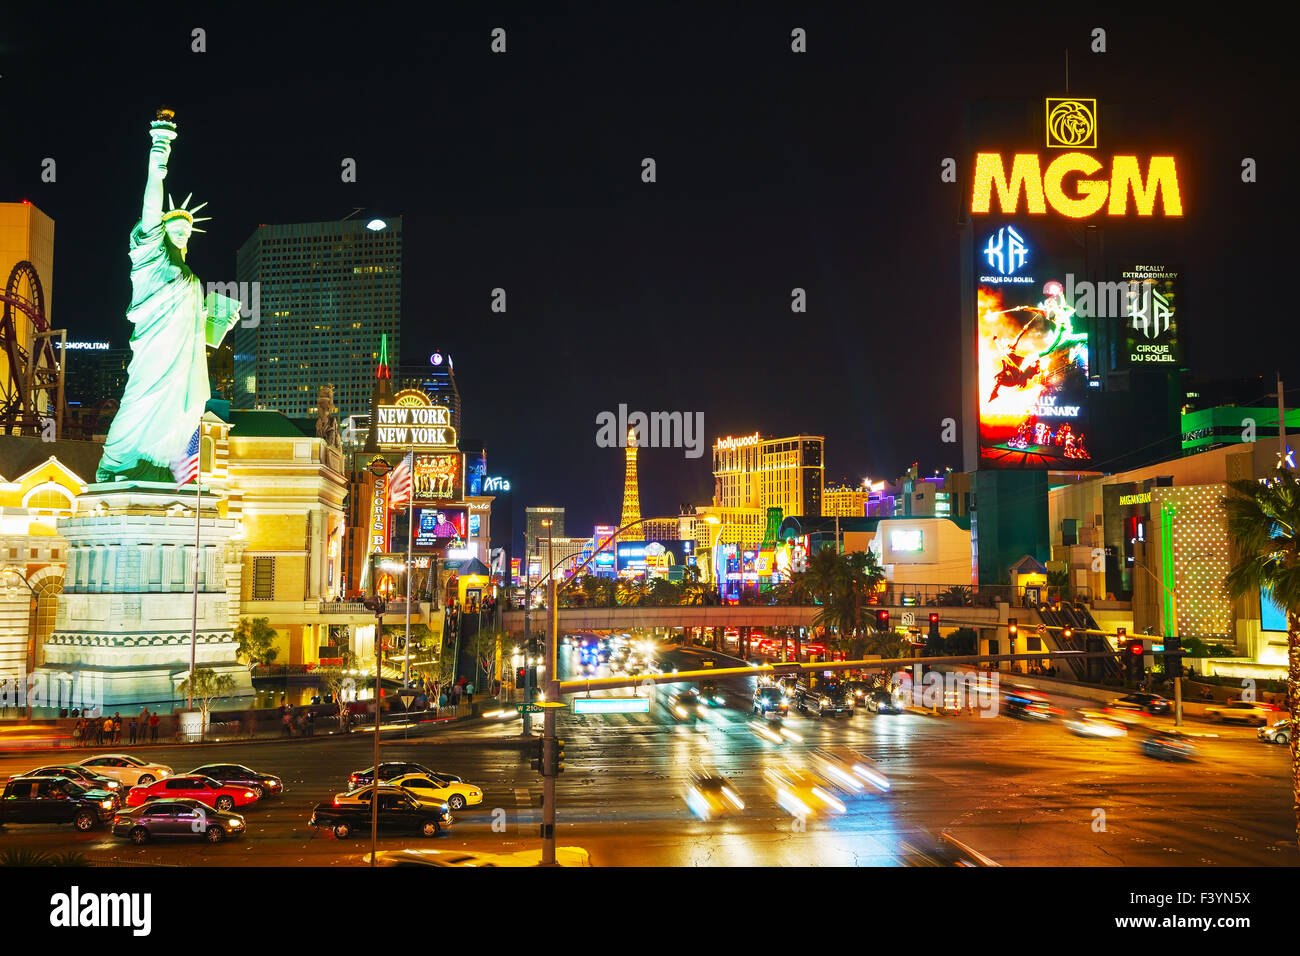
{"x": 578, "y": 619}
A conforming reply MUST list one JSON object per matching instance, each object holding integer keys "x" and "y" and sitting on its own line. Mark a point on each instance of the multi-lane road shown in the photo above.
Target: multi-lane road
{"x": 1022, "y": 793}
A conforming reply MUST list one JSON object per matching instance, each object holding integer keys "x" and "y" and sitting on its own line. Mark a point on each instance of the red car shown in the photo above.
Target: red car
{"x": 219, "y": 796}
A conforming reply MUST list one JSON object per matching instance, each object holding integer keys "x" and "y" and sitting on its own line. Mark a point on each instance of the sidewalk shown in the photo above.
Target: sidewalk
{"x": 17, "y": 737}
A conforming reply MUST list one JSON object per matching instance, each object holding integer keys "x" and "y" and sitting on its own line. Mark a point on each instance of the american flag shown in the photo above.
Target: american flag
{"x": 186, "y": 468}
{"x": 399, "y": 484}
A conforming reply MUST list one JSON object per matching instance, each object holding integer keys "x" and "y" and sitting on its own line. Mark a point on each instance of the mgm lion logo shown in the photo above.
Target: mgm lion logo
{"x": 1071, "y": 123}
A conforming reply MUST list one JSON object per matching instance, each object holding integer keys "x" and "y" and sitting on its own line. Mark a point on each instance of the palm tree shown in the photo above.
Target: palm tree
{"x": 1264, "y": 526}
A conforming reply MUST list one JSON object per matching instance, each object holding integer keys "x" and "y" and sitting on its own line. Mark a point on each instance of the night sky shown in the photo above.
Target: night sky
{"x": 775, "y": 170}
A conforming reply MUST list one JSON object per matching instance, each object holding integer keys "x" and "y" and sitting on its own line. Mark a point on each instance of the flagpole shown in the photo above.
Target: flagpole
{"x": 194, "y": 615}
{"x": 410, "y": 511}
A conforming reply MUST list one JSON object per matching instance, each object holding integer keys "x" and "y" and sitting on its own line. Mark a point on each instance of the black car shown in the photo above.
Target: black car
{"x": 1151, "y": 703}
{"x": 1167, "y": 745}
{"x": 54, "y": 800}
{"x": 770, "y": 699}
{"x": 828, "y": 701}
{"x": 237, "y": 775}
{"x": 398, "y": 812}
{"x": 880, "y": 701}
{"x": 389, "y": 769}
{"x": 86, "y": 778}
{"x": 170, "y": 818}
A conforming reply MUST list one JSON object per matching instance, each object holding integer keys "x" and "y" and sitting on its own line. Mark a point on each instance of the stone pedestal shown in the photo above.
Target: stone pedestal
{"x": 124, "y": 618}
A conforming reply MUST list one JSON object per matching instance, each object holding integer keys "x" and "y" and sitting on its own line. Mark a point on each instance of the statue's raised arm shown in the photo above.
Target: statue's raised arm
{"x": 162, "y": 131}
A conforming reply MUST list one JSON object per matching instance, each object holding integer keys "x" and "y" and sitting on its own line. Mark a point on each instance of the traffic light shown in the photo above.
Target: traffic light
{"x": 554, "y": 757}
{"x": 1012, "y": 628}
{"x": 934, "y": 639}
{"x": 1134, "y": 651}
{"x": 882, "y": 620}
{"x": 1173, "y": 660}
{"x": 537, "y": 763}
{"x": 521, "y": 675}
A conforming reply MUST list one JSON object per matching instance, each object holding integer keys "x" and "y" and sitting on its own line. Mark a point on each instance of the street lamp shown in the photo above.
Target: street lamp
{"x": 31, "y": 629}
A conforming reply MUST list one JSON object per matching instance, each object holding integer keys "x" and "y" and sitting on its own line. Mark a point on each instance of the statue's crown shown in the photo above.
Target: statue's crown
{"x": 180, "y": 212}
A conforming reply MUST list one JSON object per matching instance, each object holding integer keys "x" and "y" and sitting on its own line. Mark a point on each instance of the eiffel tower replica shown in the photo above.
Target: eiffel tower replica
{"x": 631, "y": 494}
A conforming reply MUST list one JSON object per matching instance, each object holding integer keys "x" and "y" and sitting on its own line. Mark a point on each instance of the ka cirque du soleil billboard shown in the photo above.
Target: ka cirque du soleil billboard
{"x": 1032, "y": 354}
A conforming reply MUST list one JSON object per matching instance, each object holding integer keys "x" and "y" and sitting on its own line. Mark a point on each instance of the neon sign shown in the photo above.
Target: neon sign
{"x": 728, "y": 443}
{"x": 1047, "y": 188}
{"x": 1006, "y": 251}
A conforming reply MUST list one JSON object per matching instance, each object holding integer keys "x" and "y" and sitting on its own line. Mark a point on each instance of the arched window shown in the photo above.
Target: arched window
{"x": 50, "y": 498}
{"x": 207, "y": 454}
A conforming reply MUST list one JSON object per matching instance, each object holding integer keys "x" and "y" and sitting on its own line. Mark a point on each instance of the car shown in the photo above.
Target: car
{"x": 1023, "y": 704}
{"x": 237, "y": 775}
{"x": 55, "y": 800}
{"x": 848, "y": 770}
{"x": 207, "y": 791}
{"x": 1167, "y": 745}
{"x": 1246, "y": 711}
{"x": 564, "y": 856}
{"x": 1150, "y": 703}
{"x": 1278, "y": 733}
{"x": 828, "y": 701}
{"x": 398, "y": 811}
{"x": 88, "y": 779}
{"x": 1089, "y": 723}
{"x": 393, "y": 768}
{"x": 176, "y": 818}
{"x": 712, "y": 795}
{"x": 858, "y": 690}
{"x": 432, "y": 789}
{"x": 882, "y": 701}
{"x": 688, "y": 706}
{"x": 920, "y": 849}
{"x": 769, "y": 699}
{"x": 125, "y": 769}
{"x": 801, "y": 795}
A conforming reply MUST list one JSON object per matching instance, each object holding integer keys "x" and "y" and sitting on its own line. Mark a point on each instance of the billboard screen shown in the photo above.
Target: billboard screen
{"x": 1151, "y": 326}
{"x": 435, "y": 525}
{"x": 439, "y": 477}
{"x": 1032, "y": 355}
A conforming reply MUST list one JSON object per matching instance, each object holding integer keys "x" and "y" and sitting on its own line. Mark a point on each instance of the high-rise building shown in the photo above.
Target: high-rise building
{"x": 631, "y": 493}
{"x": 437, "y": 379}
{"x": 756, "y": 472}
{"x": 326, "y": 293}
{"x": 661, "y": 529}
{"x": 534, "y": 529}
{"x": 845, "y": 501}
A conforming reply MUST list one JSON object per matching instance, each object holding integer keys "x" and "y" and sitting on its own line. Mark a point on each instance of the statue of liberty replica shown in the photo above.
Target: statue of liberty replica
{"x": 167, "y": 384}
{"x": 151, "y": 588}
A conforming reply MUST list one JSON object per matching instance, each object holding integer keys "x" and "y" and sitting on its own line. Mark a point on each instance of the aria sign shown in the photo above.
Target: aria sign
{"x": 414, "y": 421}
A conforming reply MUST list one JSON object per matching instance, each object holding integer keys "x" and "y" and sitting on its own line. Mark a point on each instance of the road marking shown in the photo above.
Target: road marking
{"x": 523, "y": 799}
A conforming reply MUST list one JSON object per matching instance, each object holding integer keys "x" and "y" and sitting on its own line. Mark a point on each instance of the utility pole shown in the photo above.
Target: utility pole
{"x": 548, "y": 719}
{"x": 1281, "y": 424}
{"x": 374, "y": 780}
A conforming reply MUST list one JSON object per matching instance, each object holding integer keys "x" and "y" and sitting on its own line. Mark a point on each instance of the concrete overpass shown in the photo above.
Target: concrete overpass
{"x": 579, "y": 619}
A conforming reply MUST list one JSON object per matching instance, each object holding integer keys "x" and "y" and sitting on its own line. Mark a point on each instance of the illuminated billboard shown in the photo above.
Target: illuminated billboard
{"x": 439, "y": 525}
{"x": 439, "y": 477}
{"x": 1032, "y": 358}
{"x": 906, "y": 539}
{"x": 1151, "y": 325}
{"x": 413, "y": 421}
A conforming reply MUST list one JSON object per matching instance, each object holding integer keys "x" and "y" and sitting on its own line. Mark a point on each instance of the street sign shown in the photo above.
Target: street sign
{"x": 611, "y": 705}
{"x": 528, "y": 708}
{"x": 909, "y": 618}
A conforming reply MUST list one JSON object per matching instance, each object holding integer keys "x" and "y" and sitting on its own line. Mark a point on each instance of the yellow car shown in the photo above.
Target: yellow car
{"x": 429, "y": 789}
{"x": 801, "y": 795}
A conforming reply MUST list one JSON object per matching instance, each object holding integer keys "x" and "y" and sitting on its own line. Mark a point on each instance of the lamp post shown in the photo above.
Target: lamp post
{"x": 374, "y": 781}
{"x": 31, "y": 633}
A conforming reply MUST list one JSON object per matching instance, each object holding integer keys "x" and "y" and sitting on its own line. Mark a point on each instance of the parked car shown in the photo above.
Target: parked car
{"x": 207, "y": 791}
{"x": 54, "y": 800}
{"x": 237, "y": 775}
{"x": 128, "y": 770}
{"x": 1246, "y": 711}
{"x": 398, "y": 811}
{"x": 176, "y": 818}
{"x": 1278, "y": 733}
{"x": 83, "y": 776}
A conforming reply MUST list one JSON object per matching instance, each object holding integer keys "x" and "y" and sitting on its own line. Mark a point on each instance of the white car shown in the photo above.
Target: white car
{"x": 131, "y": 771}
{"x": 1250, "y": 712}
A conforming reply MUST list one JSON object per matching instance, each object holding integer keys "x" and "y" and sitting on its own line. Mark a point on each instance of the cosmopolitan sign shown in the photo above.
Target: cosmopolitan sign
{"x": 1070, "y": 185}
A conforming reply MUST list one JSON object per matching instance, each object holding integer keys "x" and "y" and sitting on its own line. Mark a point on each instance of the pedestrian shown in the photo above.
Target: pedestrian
{"x": 469, "y": 693}
{"x": 442, "y": 700}
{"x": 153, "y": 726}
{"x": 77, "y": 731}
{"x": 286, "y": 725}
{"x": 117, "y": 727}
{"x": 135, "y": 728}
{"x": 144, "y": 719}
{"x": 107, "y": 728}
